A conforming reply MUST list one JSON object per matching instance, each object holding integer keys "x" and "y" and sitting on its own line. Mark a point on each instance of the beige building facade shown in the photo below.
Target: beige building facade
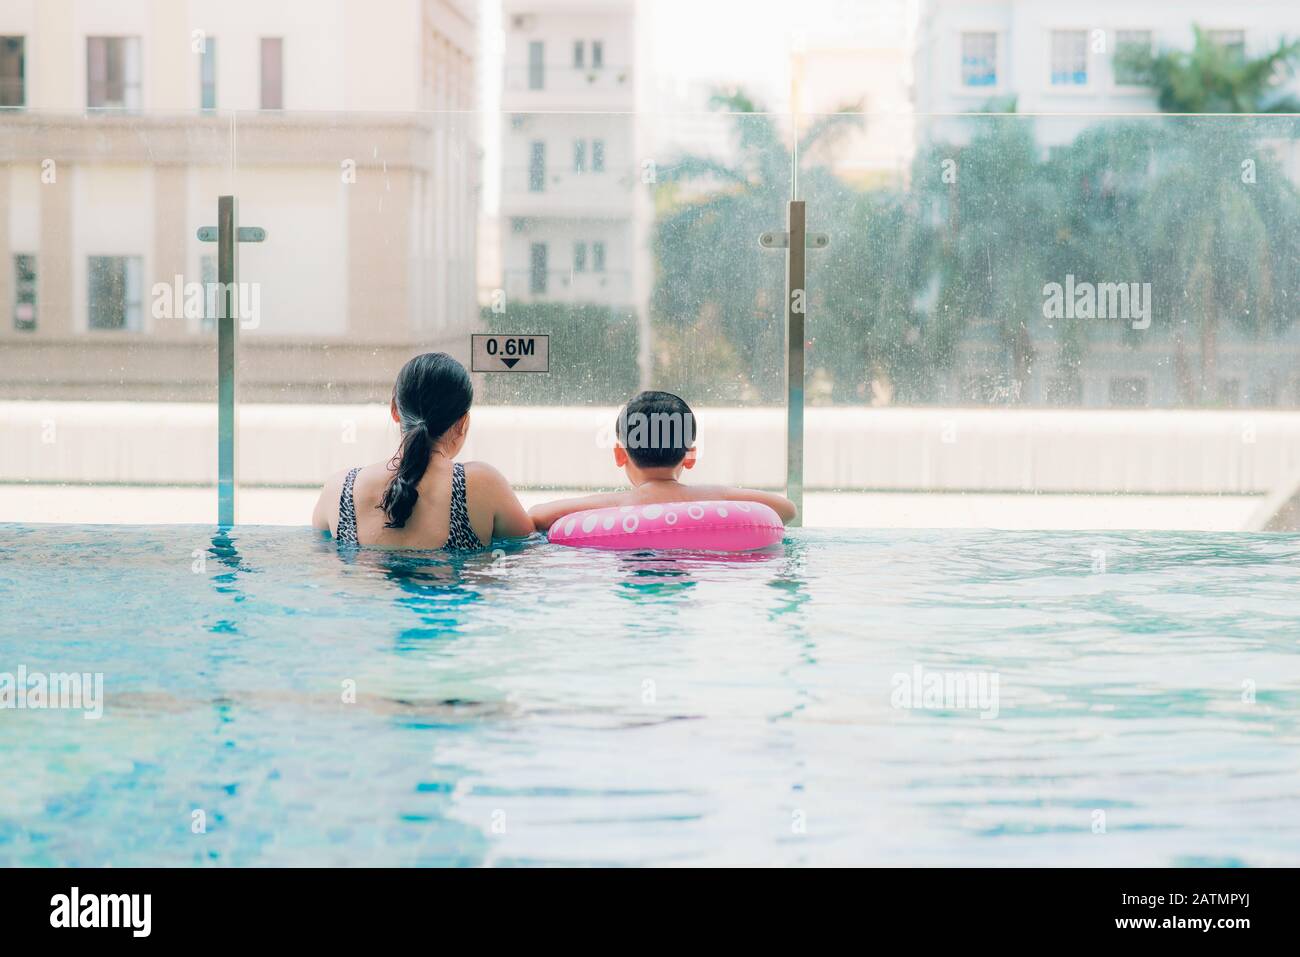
{"x": 345, "y": 130}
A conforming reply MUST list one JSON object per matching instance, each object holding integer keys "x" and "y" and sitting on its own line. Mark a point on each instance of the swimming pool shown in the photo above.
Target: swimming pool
{"x": 1129, "y": 699}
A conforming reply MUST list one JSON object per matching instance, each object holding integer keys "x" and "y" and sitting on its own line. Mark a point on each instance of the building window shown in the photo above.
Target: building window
{"x": 272, "y": 73}
{"x": 537, "y": 167}
{"x": 1128, "y": 392}
{"x": 113, "y": 73}
{"x": 115, "y": 292}
{"x": 25, "y": 293}
{"x": 598, "y": 257}
{"x": 979, "y": 59}
{"x": 1232, "y": 41}
{"x": 1129, "y": 44}
{"x": 597, "y": 54}
{"x": 579, "y": 257}
{"x": 536, "y": 68}
{"x": 1069, "y": 58}
{"x": 13, "y": 90}
{"x": 598, "y": 156}
{"x": 579, "y": 54}
{"x": 579, "y": 156}
{"x": 208, "y": 75}
{"x": 537, "y": 268}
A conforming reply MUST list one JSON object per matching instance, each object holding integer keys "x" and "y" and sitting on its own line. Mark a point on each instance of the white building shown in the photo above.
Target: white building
{"x": 573, "y": 207}
{"x": 335, "y": 123}
{"x": 1058, "y": 56}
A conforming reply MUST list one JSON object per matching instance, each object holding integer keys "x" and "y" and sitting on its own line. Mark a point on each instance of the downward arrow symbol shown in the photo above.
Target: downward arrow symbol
{"x": 510, "y": 363}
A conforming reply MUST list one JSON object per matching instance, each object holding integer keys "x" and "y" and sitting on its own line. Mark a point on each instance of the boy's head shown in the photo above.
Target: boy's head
{"x": 656, "y": 430}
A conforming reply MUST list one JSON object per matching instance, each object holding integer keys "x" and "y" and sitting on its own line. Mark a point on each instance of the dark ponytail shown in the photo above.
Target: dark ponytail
{"x": 432, "y": 393}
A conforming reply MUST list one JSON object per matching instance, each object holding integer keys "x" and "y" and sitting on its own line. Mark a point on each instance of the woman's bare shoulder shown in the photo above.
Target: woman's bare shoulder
{"x": 480, "y": 473}
{"x": 375, "y": 473}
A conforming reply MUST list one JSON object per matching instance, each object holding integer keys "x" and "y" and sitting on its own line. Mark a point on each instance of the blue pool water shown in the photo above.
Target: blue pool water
{"x": 552, "y": 706}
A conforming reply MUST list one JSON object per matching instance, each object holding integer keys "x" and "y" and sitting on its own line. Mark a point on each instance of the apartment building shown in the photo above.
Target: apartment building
{"x": 573, "y": 206}
{"x": 1059, "y": 57}
{"x": 334, "y": 123}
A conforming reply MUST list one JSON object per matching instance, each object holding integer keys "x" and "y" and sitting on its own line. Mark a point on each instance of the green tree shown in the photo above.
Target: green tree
{"x": 1101, "y": 178}
{"x": 1219, "y": 227}
{"x": 718, "y": 297}
{"x": 1199, "y": 206}
{"x": 998, "y": 217}
{"x": 1218, "y": 215}
{"x": 1212, "y": 78}
{"x": 868, "y": 323}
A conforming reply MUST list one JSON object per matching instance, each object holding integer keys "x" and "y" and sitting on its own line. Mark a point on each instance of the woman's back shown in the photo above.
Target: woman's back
{"x": 421, "y": 497}
{"x": 457, "y": 512}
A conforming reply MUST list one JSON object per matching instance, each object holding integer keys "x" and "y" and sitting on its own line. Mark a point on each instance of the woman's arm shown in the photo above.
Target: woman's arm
{"x": 509, "y": 520}
{"x": 329, "y": 495}
{"x": 548, "y": 513}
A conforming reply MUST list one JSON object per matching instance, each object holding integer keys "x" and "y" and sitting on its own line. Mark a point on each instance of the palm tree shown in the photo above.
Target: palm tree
{"x": 1213, "y": 78}
{"x": 1100, "y": 179}
{"x": 718, "y": 301}
{"x": 870, "y": 325}
{"x": 1224, "y": 245}
{"x": 1218, "y": 216}
{"x": 998, "y": 221}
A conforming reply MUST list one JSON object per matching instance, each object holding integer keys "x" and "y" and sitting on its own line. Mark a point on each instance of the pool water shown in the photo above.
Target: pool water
{"x": 1132, "y": 699}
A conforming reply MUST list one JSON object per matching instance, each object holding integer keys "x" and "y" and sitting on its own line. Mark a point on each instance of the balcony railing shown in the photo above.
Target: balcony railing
{"x": 560, "y": 184}
{"x": 569, "y": 80}
{"x": 605, "y": 287}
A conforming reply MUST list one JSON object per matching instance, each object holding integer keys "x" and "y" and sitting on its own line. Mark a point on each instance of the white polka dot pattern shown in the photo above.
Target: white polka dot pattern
{"x": 710, "y": 526}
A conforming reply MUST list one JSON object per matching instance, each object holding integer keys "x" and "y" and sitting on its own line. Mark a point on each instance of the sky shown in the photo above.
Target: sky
{"x": 749, "y": 42}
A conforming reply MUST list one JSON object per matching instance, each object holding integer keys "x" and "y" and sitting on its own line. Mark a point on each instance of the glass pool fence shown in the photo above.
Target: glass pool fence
{"x": 980, "y": 319}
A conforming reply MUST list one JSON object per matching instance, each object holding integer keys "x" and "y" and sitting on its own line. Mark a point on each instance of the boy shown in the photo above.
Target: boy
{"x": 656, "y": 441}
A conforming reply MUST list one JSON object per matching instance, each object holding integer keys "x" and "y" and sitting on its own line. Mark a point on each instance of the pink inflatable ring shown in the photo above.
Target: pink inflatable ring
{"x": 708, "y": 526}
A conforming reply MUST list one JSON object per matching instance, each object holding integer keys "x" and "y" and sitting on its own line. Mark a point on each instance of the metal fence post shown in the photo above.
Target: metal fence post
{"x": 795, "y": 311}
{"x": 227, "y": 333}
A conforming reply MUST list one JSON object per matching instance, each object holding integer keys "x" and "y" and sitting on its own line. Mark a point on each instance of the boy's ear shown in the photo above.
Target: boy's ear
{"x": 620, "y": 455}
{"x": 689, "y": 461}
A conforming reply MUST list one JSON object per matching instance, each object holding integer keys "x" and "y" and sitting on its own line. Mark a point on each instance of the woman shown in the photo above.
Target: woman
{"x": 421, "y": 498}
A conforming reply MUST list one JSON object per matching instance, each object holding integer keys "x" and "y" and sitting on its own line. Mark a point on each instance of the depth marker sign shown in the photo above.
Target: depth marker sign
{"x": 489, "y": 353}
